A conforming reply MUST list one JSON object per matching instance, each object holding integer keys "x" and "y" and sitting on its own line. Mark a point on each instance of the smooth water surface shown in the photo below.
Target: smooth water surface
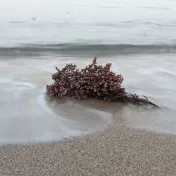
{"x": 137, "y": 37}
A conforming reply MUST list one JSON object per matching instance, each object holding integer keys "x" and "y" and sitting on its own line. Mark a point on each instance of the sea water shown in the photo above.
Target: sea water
{"x": 137, "y": 37}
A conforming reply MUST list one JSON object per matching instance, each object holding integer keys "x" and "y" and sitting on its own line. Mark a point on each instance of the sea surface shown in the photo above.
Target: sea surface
{"x": 138, "y": 37}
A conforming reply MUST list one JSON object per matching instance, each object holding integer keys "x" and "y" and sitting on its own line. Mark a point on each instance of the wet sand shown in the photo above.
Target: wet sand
{"x": 115, "y": 151}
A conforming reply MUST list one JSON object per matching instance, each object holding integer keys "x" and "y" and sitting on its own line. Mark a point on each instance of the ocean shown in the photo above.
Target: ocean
{"x": 138, "y": 37}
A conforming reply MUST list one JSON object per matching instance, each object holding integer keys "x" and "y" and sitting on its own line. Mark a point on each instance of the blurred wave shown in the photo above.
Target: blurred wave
{"x": 85, "y": 49}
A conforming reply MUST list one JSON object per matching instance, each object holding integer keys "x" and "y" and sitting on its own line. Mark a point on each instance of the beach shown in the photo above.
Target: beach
{"x": 40, "y": 135}
{"x": 116, "y": 151}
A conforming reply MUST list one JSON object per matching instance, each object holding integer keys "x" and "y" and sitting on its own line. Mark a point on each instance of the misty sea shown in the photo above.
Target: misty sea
{"x": 138, "y": 37}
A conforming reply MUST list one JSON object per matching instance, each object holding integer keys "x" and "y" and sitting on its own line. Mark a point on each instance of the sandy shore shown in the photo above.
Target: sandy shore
{"x": 26, "y": 114}
{"x": 115, "y": 151}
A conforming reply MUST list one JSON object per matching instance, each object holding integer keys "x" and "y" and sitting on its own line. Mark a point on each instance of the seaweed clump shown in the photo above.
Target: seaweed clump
{"x": 93, "y": 81}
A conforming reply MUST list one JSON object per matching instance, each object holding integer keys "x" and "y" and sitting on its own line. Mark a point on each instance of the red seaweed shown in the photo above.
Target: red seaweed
{"x": 93, "y": 81}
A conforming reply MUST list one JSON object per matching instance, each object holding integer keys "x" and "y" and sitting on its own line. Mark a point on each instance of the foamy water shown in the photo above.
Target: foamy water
{"x": 138, "y": 37}
{"x": 27, "y": 115}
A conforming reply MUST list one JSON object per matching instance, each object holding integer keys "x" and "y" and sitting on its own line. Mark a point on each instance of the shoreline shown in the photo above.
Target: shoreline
{"x": 118, "y": 150}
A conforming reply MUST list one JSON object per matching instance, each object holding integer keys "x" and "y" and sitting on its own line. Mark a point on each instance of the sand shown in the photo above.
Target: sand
{"x": 117, "y": 150}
